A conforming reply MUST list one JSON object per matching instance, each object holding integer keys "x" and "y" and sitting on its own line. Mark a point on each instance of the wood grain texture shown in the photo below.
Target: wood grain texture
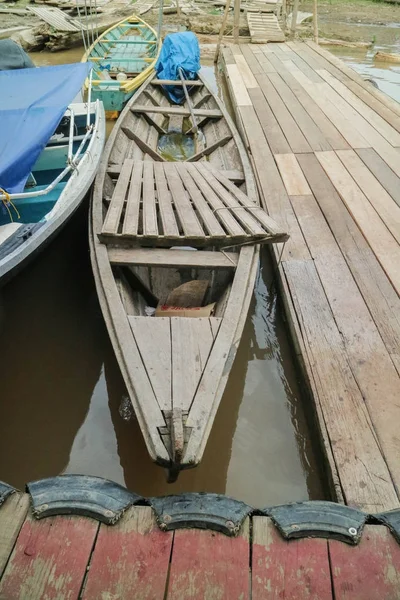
{"x": 130, "y": 560}
{"x": 293, "y": 178}
{"x": 296, "y": 569}
{"x": 207, "y": 565}
{"x": 383, "y": 244}
{"x": 12, "y": 515}
{"x": 387, "y": 178}
{"x": 49, "y": 559}
{"x": 368, "y": 571}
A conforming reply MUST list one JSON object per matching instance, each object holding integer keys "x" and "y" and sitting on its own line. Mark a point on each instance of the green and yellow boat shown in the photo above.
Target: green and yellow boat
{"x": 124, "y": 56}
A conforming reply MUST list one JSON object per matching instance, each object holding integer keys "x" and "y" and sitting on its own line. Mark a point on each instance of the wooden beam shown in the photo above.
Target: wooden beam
{"x": 211, "y": 148}
{"x": 142, "y": 145}
{"x": 176, "y": 110}
{"x": 173, "y": 82}
{"x": 294, "y": 17}
{"x": 234, "y": 175}
{"x": 155, "y": 257}
{"x": 236, "y": 19}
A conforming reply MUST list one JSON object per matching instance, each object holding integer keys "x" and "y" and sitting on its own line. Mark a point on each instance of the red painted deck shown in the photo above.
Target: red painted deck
{"x": 67, "y": 558}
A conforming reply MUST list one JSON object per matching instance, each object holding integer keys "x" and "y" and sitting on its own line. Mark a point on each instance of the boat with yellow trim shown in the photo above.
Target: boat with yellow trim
{"x": 124, "y": 56}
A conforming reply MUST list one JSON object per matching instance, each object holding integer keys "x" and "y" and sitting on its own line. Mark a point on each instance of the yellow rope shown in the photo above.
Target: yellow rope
{"x": 6, "y": 199}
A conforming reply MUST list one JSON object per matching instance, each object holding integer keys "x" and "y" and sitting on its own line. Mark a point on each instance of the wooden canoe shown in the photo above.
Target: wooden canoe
{"x": 128, "y": 49}
{"x": 145, "y": 212}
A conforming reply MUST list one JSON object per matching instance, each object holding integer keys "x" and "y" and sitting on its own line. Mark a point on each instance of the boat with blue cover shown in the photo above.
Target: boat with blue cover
{"x": 51, "y": 149}
{"x": 124, "y": 56}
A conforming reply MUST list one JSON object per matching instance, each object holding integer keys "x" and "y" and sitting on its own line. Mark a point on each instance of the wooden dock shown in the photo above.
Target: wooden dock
{"x": 78, "y": 557}
{"x": 325, "y": 147}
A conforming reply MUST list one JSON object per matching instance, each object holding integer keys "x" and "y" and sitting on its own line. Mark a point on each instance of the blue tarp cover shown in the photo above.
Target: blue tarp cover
{"x": 32, "y": 103}
{"x": 178, "y": 50}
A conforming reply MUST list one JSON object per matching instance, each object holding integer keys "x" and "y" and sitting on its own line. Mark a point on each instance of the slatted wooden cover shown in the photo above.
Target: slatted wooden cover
{"x": 162, "y": 204}
{"x": 264, "y": 28}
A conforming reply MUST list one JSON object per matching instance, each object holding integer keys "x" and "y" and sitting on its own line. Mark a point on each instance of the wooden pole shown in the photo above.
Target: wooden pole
{"x": 294, "y": 17}
{"x": 178, "y": 9}
{"x": 221, "y": 32}
{"x": 315, "y": 21}
{"x": 284, "y": 14}
{"x": 194, "y": 122}
{"x": 236, "y": 19}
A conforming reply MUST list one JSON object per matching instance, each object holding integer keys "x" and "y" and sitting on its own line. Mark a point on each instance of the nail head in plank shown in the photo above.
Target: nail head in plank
{"x": 130, "y": 559}
{"x": 12, "y": 515}
{"x": 296, "y": 569}
{"x": 207, "y": 564}
{"x": 369, "y": 570}
{"x": 50, "y": 555}
{"x": 111, "y": 222}
{"x": 292, "y": 175}
{"x": 156, "y": 356}
{"x": 131, "y": 220}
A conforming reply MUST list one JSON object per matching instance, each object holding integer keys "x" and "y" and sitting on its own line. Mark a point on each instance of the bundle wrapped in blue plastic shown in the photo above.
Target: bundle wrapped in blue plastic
{"x": 179, "y": 51}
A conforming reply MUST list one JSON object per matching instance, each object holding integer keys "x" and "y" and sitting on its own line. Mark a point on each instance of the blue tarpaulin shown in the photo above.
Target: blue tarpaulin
{"x": 32, "y": 103}
{"x": 179, "y": 50}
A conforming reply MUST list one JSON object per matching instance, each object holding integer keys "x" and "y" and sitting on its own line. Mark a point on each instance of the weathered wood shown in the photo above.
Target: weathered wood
{"x": 210, "y": 149}
{"x": 130, "y": 559}
{"x": 387, "y": 178}
{"x": 111, "y": 222}
{"x": 142, "y": 145}
{"x": 381, "y": 241}
{"x": 207, "y": 564}
{"x": 176, "y": 110}
{"x": 12, "y": 515}
{"x": 188, "y": 218}
{"x": 49, "y": 558}
{"x": 292, "y": 175}
{"x": 150, "y": 227}
{"x": 197, "y": 83}
{"x": 130, "y": 225}
{"x": 370, "y": 570}
{"x": 241, "y": 94}
{"x": 156, "y": 257}
{"x": 296, "y": 569}
{"x": 153, "y": 337}
{"x": 384, "y": 205}
{"x": 192, "y": 341}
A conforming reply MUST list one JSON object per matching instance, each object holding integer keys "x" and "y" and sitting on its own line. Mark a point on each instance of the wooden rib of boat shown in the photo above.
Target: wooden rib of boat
{"x": 146, "y": 211}
{"x": 124, "y": 56}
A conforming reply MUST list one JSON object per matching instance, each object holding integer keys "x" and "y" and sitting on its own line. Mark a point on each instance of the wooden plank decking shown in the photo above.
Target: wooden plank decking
{"x": 326, "y": 149}
{"x": 77, "y": 557}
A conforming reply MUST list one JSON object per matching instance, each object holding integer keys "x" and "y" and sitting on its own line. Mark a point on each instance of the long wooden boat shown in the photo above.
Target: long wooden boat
{"x": 159, "y": 232}
{"x": 124, "y": 56}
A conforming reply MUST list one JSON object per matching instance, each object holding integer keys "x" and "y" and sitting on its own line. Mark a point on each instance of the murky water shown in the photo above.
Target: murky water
{"x": 62, "y": 389}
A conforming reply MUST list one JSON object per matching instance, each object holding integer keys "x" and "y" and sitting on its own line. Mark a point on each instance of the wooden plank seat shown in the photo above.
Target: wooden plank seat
{"x": 154, "y": 257}
{"x": 168, "y": 204}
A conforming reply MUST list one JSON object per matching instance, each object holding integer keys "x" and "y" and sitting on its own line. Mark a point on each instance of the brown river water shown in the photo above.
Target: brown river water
{"x": 62, "y": 389}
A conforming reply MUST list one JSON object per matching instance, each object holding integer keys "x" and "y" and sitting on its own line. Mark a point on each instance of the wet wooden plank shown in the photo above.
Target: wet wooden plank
{"x": 130, "y": 559}
{"x": 387, "y": 178}
{"x": 49, "y": 559}
{"x": 153, "y": 337}
{"x": 192, "y": 341}
{"x": 12, "y": 515}
{"x": 111, "y": 222}
{"x": 131, "y": 220}
{"x": 369, "y": 570}
{"x": 382, "y": 242}
{"x": 280, "y": 569}
{"x": 206, "y": 564}
{"x": 292, "y": 175}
